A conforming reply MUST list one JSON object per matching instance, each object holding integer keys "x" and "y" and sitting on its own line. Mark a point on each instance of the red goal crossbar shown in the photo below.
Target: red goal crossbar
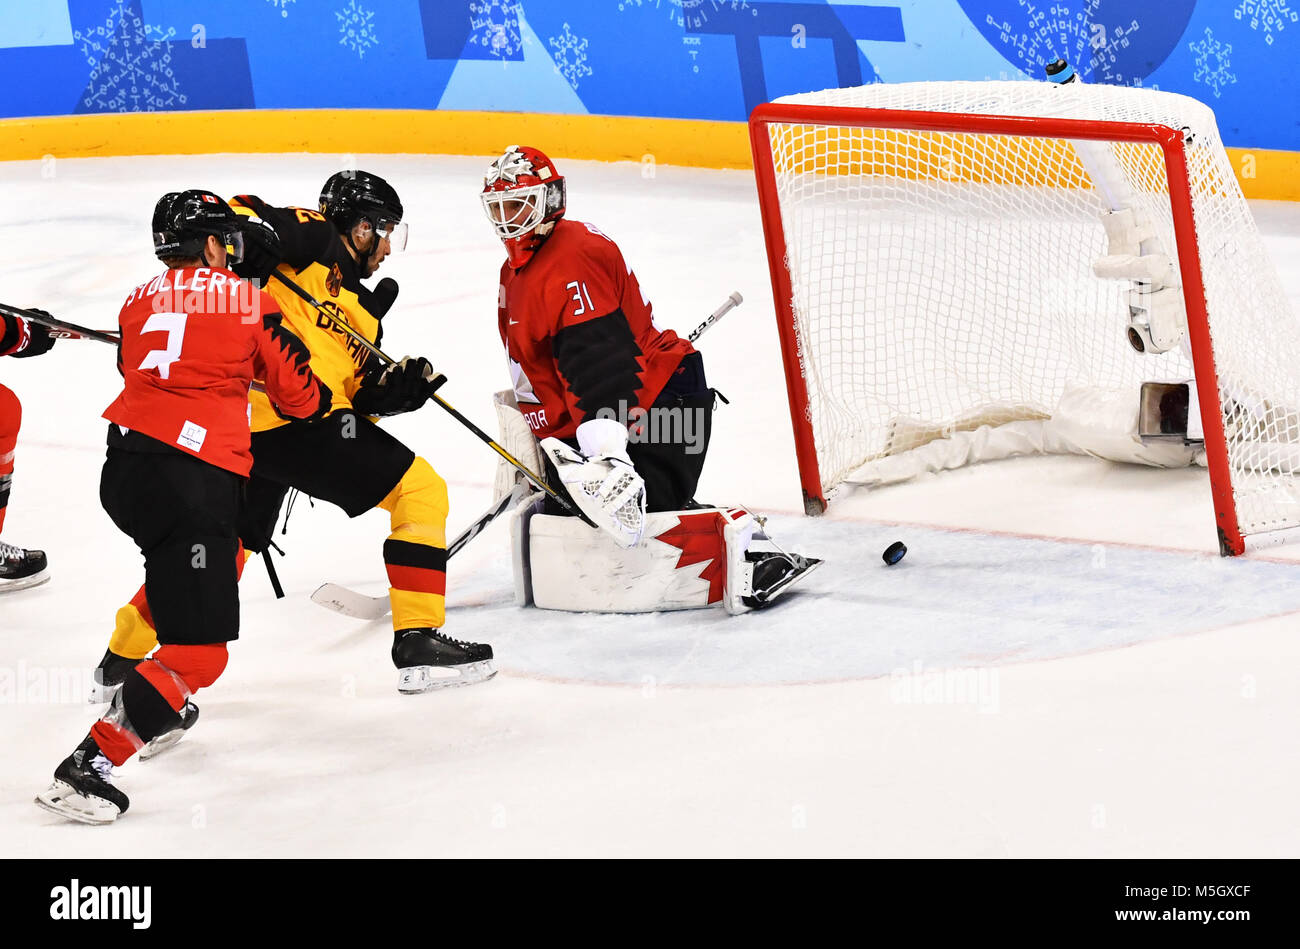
{"x": 1170, "y": 141}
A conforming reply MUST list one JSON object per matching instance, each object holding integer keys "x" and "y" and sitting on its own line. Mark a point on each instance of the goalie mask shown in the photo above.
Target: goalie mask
{"x": 523, "y": 196}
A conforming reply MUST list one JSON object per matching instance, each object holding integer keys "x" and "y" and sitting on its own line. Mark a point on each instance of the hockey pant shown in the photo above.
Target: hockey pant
{"x": 182, "y": 514}
{"x": 415, "y": 556}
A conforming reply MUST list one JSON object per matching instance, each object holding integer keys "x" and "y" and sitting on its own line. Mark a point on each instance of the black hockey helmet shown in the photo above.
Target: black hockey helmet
{"x": 183, "y": 220}
{"x": 354, "y": 195}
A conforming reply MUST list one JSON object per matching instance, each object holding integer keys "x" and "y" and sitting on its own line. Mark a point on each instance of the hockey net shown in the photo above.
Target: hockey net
{"x": 932, "y": 248}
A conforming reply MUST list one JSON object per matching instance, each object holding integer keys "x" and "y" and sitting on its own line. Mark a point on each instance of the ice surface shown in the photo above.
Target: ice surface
{"x": 1061, "y": 666}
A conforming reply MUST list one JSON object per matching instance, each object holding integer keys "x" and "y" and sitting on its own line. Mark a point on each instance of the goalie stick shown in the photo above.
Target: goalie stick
{"x": 728, "y": 305}
{"x": 340, "y": 599}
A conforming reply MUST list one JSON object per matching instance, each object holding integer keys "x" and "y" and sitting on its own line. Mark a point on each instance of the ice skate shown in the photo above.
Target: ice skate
{"x": 772, "y": 574}
{"x": 83, "y": 788}
{"x": 21, "y": 569}
{"x": 427, "y": 660}
{"x": 189, "y": 715}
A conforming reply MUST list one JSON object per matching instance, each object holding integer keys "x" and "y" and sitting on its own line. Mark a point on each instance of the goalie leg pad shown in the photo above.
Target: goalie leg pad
{"x": 518, "y": 439}
{"x": 689, "y": 560}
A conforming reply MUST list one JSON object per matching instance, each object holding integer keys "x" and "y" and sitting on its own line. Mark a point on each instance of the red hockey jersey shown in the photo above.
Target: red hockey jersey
{"x": 579, "y": 334}
{"x": 193, "y": 340}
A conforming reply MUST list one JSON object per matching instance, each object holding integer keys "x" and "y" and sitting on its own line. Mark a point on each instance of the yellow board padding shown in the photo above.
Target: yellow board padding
{"x": 1263, "y": 173}
{"x": 397, "y": 131}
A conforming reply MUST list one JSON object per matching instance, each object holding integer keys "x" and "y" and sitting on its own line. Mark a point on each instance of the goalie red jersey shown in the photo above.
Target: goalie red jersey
{"x": 579, "y": 335}
{"x": 193, "y": 340}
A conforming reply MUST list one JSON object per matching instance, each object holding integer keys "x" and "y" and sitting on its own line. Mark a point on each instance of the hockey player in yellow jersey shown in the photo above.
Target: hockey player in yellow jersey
{"x": 347, "y": 459}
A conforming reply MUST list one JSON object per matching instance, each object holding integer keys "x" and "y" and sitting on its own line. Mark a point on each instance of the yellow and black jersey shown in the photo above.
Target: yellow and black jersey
{"x": 316, "y": 259}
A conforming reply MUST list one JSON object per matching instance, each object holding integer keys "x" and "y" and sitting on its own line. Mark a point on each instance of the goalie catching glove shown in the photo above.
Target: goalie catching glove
{"x": 601, "y": 479}
{"x": 398, "y": 387}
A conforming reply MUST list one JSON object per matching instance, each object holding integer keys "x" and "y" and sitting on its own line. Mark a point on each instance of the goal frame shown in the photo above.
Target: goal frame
{"x": 1172, "y": 145}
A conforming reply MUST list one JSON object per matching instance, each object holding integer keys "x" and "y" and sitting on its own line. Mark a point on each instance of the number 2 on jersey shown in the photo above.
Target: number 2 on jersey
{"x": 173, "y": 324}
{"x": 580, "y": 291}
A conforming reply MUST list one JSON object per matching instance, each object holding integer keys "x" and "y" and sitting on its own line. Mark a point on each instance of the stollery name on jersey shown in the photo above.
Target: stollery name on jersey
{"x": 201, "y": 290}
{"x": 103, "y": 902}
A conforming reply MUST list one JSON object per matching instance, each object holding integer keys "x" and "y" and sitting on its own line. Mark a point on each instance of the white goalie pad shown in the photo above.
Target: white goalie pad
{"x": 690, "y": 560}
{"x": 518, "y": 439}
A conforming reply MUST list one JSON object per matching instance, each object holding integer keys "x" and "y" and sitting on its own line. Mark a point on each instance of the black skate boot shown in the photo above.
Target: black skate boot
{"x": 21, "y": 569}
{"x": 189, "y": 715}
{"x": 83, "y": 788}
{"x": 110, "y": 672}
{"x": 428, "y": 660}
{"x": 772, "y": 574}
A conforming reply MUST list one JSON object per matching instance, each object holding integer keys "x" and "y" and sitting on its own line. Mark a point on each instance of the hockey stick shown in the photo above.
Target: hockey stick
{"x": 728, "y": 305}
{"x": 482, "y": 436}
{"x": 340, "y": 599}
{"x": 63, "y": 330}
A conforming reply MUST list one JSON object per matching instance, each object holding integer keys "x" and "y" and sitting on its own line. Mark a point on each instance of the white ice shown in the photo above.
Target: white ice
{"x": 1062, "y": 666}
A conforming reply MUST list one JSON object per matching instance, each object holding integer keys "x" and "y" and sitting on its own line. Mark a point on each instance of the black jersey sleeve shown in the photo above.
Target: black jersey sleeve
{"x": 305, "y": 235}
{"x": 600, "y": 363}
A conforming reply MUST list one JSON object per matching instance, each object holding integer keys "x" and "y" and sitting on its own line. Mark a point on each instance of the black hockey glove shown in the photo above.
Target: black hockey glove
{"x": 39, "y": 339}
{"x": 401, "y": 387}
{"x": 262, "y": 250}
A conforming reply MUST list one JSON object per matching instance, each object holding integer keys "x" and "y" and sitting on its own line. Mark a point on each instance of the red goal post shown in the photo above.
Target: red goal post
{"x": 1171, "y": 144}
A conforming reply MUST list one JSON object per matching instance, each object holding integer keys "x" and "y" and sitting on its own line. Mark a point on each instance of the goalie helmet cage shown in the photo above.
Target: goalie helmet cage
{"x": 931, "y": 249}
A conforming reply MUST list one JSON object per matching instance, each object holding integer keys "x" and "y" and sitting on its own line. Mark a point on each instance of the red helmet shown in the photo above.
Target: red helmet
{"x": 523, "y": 196}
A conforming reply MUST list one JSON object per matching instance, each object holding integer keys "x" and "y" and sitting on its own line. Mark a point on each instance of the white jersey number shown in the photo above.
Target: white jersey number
{"x": 173, "y": 324}
{"x": 579, "y": 291}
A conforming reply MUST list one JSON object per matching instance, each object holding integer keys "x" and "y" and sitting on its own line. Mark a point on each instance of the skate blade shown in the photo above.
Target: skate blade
{"x": 25, "y": 583}
{"x": 416, "y": 680}
{"x": 63, "y": 799}
{"x": 152, "y": 749}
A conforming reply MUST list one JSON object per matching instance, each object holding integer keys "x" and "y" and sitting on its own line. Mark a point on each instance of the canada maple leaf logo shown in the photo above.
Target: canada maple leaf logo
{"x": 509, "y": 166}
{"x": 700, "y": 538}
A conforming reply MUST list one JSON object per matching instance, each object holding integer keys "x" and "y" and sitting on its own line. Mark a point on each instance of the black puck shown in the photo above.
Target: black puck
{"x": 894, "y": 553}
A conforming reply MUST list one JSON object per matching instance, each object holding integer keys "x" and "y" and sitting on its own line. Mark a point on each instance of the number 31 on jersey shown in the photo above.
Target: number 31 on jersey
{"x": 580, "y": 291}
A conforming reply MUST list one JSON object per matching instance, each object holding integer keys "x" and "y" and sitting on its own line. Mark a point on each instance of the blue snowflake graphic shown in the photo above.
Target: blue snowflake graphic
{"x": 1272, "y": 15}
{"x": 570, "y": 56}
{"x": 1212, "y": 63}
{"x": 130, "y": 64}
{"x": 357, "y": 28}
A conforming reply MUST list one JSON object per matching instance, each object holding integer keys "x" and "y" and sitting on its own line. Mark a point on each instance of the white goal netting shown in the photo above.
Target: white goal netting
{"x": 942, "y": 282}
